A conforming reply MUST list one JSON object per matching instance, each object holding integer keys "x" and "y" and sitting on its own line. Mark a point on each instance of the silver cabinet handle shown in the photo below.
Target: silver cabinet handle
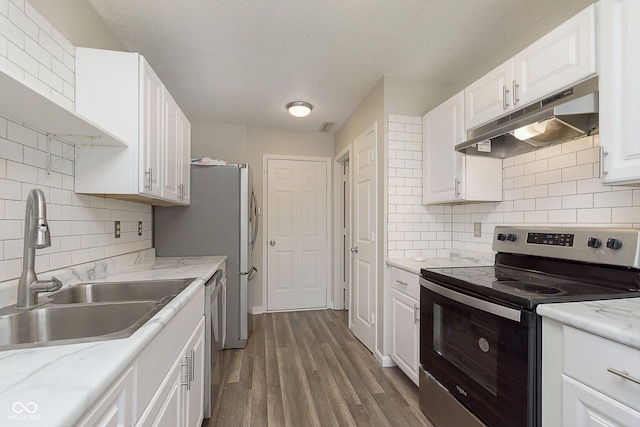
{"x": 505, "y": 103}
{"x": 416, "y": 313}
{"x": 603, "y": 154}
{"x": 624, "y": 374}
{"x": 456, "y": 186}
{"x": 272, "y": 242}
{"x": 401, "y": 282}
{"x": 149, "y": 174}
{"x": 186, "y": 364}
{"x": 514, "y": 94}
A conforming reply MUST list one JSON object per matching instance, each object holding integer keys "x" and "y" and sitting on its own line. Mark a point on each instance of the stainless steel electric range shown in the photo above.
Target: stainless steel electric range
{"x": 480, "y": 338}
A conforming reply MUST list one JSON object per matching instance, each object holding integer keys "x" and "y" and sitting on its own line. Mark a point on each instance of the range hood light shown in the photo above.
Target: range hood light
{"x": 530, "y": 131}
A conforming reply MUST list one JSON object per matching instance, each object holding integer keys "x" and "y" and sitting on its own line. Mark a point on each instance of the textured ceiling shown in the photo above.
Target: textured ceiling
{"x": 241, "y": 61}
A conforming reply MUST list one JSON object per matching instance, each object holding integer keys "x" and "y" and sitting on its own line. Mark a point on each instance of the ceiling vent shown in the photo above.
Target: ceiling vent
{"x": 326, "y": 126}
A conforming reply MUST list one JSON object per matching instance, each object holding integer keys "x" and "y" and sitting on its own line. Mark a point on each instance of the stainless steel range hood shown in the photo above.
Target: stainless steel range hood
{"x": 570, "y": 114}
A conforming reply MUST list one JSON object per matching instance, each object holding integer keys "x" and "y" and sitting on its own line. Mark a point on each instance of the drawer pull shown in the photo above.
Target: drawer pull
{"x": 624, "y": 374}
{"x": 401, "y": 282}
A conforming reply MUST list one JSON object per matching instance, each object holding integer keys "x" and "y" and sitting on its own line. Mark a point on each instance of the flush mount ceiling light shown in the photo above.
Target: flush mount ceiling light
{"x": 299, "y": 108}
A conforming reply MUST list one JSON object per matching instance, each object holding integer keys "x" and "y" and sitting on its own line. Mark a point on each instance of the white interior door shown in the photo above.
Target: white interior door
{"x": 297, "y": 245}
{"x": 364, "y": 241}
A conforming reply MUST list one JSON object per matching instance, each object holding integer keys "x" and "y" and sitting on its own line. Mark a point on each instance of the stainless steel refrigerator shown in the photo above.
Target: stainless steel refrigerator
{"x": 221, "y": 220}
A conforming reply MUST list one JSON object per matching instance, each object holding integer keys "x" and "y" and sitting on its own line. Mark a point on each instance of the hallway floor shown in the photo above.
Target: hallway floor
{"x": 307, "y": 369}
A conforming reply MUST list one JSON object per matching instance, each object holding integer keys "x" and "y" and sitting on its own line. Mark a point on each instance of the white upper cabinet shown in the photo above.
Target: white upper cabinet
{"x": 563, "y": 57}
{"x": 450, "y": 176}
{"x": 122, "y": 93}
{"x": 489, "y": 97}
{"x": 620, "y": 90}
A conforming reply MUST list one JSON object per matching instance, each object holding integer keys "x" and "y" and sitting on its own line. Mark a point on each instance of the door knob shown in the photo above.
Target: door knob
{"x": 354, "y": 250}
{"x": 272, "y": 242}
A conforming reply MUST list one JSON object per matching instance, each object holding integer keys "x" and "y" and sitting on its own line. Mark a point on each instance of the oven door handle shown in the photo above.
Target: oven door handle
{"x": 482, "y": 305}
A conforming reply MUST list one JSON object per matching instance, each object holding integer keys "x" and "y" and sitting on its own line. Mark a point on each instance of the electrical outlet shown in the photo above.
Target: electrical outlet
{"x": 477, "y": 229}
{"x": 139, "y": 228}
{"x": 116, "y": 229}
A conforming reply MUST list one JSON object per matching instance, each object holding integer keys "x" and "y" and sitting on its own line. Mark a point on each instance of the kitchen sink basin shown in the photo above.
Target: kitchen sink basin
{"x": 64, "y": 324}
{"x": 87, "y": 312}
{"x": 149, "y": 290}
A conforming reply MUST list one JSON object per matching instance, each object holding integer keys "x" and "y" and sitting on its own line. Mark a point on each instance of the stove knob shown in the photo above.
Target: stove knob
{"x": 502, "y": 237}
{"x": 594, "y": 242}
{"x": 512, "y": 237}
{"x": 614, "y": 244}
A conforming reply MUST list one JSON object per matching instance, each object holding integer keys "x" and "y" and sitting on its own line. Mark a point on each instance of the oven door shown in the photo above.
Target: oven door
{"x": 482, "y": 352}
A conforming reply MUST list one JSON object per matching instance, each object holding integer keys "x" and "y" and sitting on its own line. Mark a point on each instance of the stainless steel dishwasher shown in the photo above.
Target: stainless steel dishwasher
{"x": 215, "y": 314}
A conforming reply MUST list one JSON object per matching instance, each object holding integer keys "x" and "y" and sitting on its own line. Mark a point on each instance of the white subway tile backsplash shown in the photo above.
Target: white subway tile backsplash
{"x": 577, "y": 172}
{"x": 562, "y": 188}
{"x": 11, "y": 150}
{"x": 595, "y": 215}
{"x": 563, "y": 161}
{"x": 548, "y": 177}
{"x": 577, "y": 145}
{"x": 22, "y": 21}
{"x": 626, "y": 214}
{"x": 577, "y": 201}
{"x": 536, "y": 166}
{"x": 22, "y": 59}
{"x": 557, "y": 185}
{"x": 613, "y": 199}
{"x": 21, "y": 172}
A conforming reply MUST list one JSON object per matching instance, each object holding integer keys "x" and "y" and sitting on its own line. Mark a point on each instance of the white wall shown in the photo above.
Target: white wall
{"x": 555, "y": 186}
{"x": 81, "y": 226}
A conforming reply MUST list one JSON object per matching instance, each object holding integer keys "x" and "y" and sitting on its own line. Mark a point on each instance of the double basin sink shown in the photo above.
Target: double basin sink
{"x": 87, "y": 312}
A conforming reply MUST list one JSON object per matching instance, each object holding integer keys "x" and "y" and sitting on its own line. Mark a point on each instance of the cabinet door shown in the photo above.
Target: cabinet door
{"x": 489, "y": 97}
{"x": 116, "y": 407}
{"x": 194, "y": 400}
{"x": 168, "y": 410}
{"x": 185, "y": 164}
{"x": 151, "y": 131}
{"x": 620, "y": 90}
{"x": 583, "y": 406}
{"x": 558, "y": 60}
{"x": 442, "y": 129}
{"x": 171, "y": 173}
{"x": 405, "y": 329}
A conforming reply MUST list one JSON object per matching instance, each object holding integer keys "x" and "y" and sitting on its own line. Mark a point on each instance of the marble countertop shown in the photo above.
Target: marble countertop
{"x": 617, "y": 319}
{"x": 63, "y": 382}
{"x": 457, "y": 259}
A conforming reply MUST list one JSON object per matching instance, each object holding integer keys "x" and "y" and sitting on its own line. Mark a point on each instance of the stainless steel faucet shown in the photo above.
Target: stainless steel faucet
{"x": 36, "y": 236}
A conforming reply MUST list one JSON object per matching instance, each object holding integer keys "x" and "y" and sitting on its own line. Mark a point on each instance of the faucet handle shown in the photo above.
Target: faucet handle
{"x": 55, "y": 283}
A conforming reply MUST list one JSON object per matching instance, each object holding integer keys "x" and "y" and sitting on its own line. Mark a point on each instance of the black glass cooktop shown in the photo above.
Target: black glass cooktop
{"x": 522, "y": 288}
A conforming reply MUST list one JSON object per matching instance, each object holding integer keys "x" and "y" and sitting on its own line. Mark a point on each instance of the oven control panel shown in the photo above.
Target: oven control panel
{"x": 555, "y": 239}
{"x": 612, "y": 246}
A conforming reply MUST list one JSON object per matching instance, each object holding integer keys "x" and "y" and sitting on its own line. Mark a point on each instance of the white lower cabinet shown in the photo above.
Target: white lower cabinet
{"x": 179, "y": 401}
{"x": 405, "y": 322}
{"x": 116, "y": 407}
{"x": 164, "y": 386}
{"x": 584, "y": 406}
{"x": 588, "y": 380}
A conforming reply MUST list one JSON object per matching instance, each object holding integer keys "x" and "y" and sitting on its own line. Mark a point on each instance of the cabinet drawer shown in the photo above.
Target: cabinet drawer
{"x": 587, "y": 358}
{"x": 405, "y": 282}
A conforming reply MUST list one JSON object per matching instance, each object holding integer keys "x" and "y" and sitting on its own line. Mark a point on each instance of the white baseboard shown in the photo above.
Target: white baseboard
{"x": 257, "y": 310}
{"x": 384, "y": 361}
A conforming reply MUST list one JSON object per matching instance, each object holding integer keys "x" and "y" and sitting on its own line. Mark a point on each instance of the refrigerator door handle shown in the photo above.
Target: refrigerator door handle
{"x": 254, "y": 208}
{"x": 251, "y": 273}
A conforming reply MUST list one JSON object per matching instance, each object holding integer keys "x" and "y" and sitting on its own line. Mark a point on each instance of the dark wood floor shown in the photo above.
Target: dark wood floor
{"x": 307, "y": 369}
